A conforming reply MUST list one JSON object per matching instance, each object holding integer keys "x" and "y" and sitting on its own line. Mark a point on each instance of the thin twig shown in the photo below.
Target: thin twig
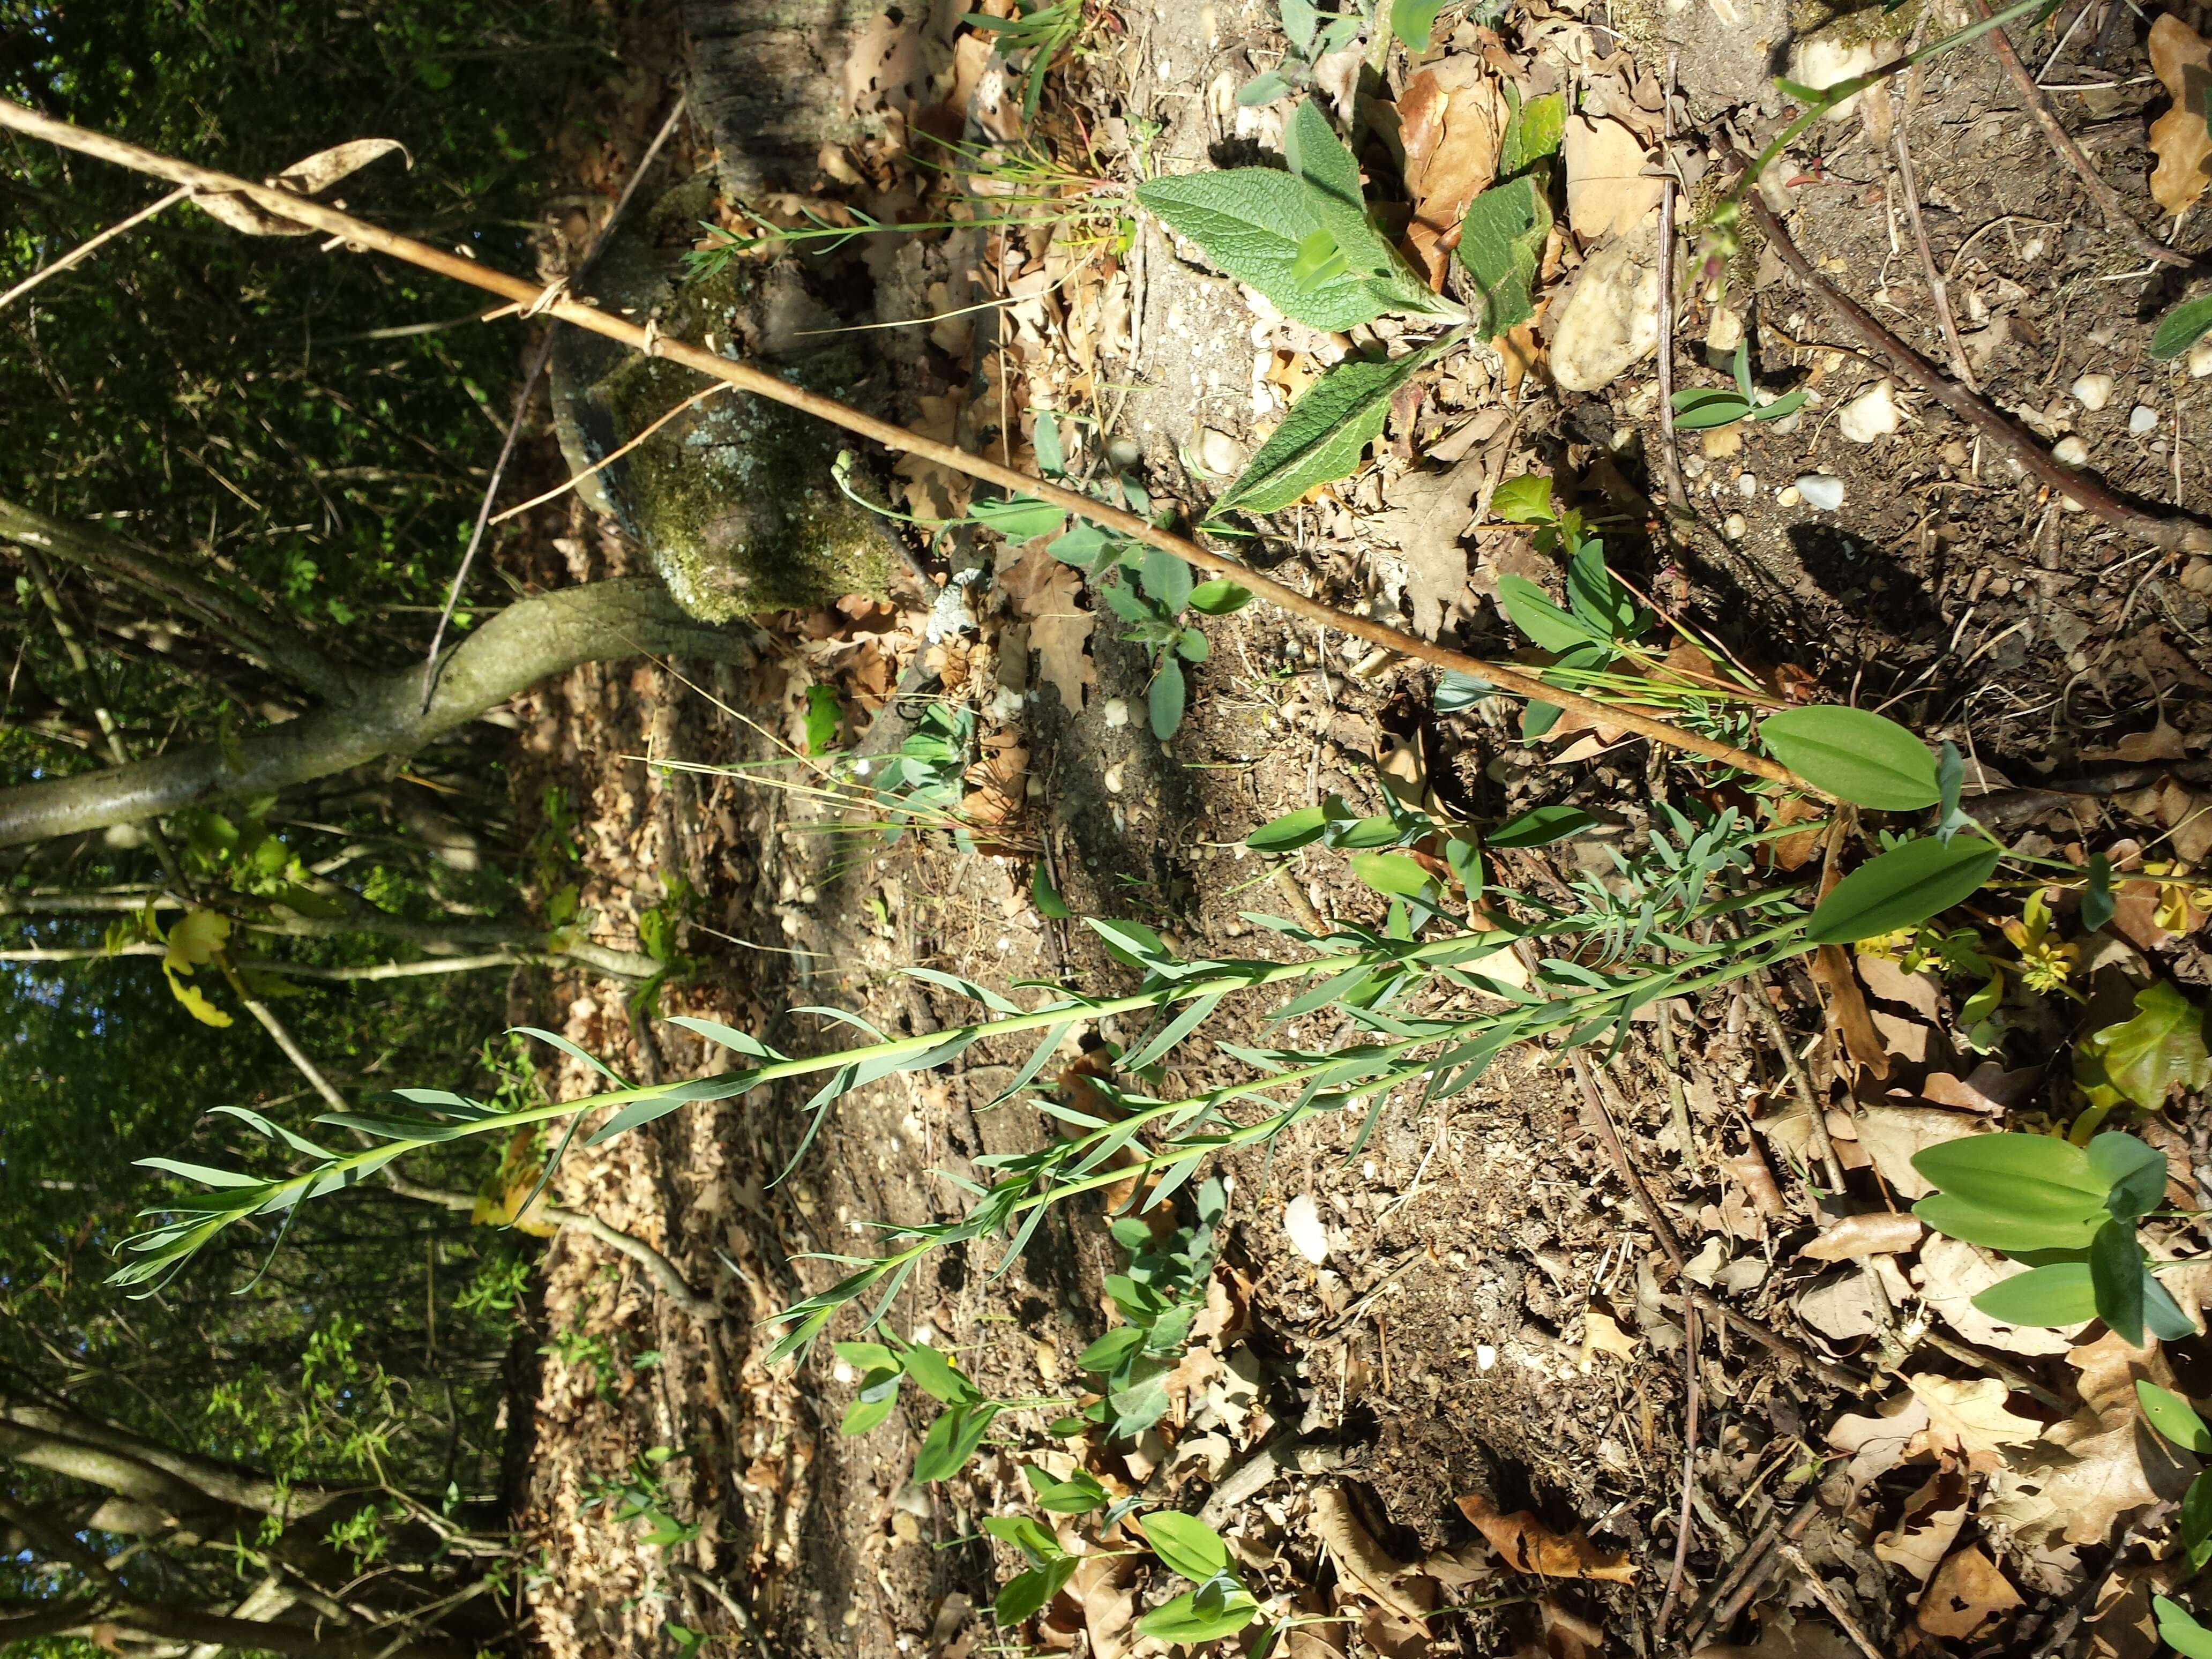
{"x": 1669, "y": 450}
{"x": 84, "y": 250}
{"x": 1723, "y": 1603}
{"x": 1937, "y": 289}
{"x": 2106, "y": 199}
{"x": 1689, "y": 1464}
{"x": 537, "y": 361}
{"x": 2175, "y": 534}
{"x": 608, "y": 460}
{"x": 1506, "y": 677}
{"x": 1828, "y": 1599}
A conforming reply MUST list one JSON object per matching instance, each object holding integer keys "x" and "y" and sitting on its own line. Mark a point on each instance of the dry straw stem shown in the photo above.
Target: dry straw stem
{"x": 359, "y": 234}
{"x": 2175, "y": 534}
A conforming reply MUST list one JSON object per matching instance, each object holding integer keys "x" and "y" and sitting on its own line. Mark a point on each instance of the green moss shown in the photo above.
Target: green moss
{"x": 734, "y": 500}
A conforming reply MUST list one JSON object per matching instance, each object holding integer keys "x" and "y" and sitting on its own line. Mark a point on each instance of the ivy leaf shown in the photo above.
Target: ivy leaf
{"x": 1253, "y": 222}
{"x": 1323, "y": 436}
{"x": 1524, "y": 500}
{"x": 2160, "y": 1049}
{"x": 1501, "y": 240}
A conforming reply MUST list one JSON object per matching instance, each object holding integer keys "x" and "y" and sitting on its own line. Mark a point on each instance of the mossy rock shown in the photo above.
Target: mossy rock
{"x": 732, "y": 500}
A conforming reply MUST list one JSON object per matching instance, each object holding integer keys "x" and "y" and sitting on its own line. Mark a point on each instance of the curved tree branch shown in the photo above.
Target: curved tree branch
{"x": 527, "y": 641}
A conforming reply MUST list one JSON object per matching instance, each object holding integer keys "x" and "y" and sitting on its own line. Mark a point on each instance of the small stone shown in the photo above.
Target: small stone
{"x": 1723, "y": 334}
{"x": 1747, "y": 485}
{"x": 2142, "y": 420}
{"x": 1124, "y": 452}
{"x": 2092, "y": 391}
{"x": 2200, "y": 359}
{"x": 1112, "y": 779}
{"x": 1821, "y": 491}
{"x": 1733, "y": 526}
{"x": 1219, "y": 453}
{"x": 1484, "y": 1356}
{"x": 1873, "y": 413}
{"x": 1117, "y": 714}
{"x": 1302, "y": 1221}
{"x": 1721, "y": 441}
{"x": 2071, "y": 452}
{"x": 1610, "y": 319}
{"x": 1787, "y": 497}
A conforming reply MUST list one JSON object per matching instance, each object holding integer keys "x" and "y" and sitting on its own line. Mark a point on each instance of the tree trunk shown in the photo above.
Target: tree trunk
{"x": 530, "y": 640}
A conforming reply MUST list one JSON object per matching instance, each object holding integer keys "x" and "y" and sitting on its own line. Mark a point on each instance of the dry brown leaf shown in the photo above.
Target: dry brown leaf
{"x": 1879, "y": 1443}
{"x": 1749, "y": 1168}
{"x": 1856, "y": 1304}
{"x": 1100, "y": 1587}
{"x": 1783, "y": 1635}
{"x": 1529, "y": 1545}
{"x": 2182, "y": 58}
{"x": 1451, "y": 117}
{"x": 1847, "y": 1011}
{"x": 1889, "y": 982}
{"x": 1567, "y": 1635}
{"x": 2109, "y": 1369}
{"x": 1044, "y": 592}
{"x": 1393, "y": 1635}
{"x": 1968, "y": 1595}
{"x": 1891, "y": 1134}
{"x": 1881, "y": 1232}
{"x": 2101, "y": 1463}
{"x": 1796, "y": 852}
{"x": 1969, "y": 1416}
{"x": 1426, "y": 514}
{"x": 1606, "y": 192}
{"x": 1363, "y": 1563}
{"x": 2125, "y": 1625}
{"x": 1929, "y": 1524}
{"x": 1988, "y": 1087}
{"x": 1601, "y": 1333}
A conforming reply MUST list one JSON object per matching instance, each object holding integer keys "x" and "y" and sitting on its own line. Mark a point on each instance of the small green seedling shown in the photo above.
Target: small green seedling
{"x": 1219, "y": 1604}
{"x": 1697, "y": 408}
{"x": 953, "y": 1435}
{"x": 1158, "y": 1296}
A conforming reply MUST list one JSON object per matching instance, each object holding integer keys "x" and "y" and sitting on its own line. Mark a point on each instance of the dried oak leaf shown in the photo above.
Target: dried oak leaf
{"x": 1607, "y": 191}
{"x": 1969, "y": 1416}
{"x": 2182, "y": 58}
{"x": 1427, "y": 513}
{"x": 1953, "y": 1273}
{"x": 1967, "y": 1595}
{"x": 1783, "y": 1635}
{"x": 1929, "y": 1524}
{"x": 1044, "y": 592}
{"x": 2099, "y": 1465}
{"x": 1529, "y": 1545}
{"x": 1451, "y": 119}
{"x": 1878, "y": 1232}
{"x": 1363, "y": 1563}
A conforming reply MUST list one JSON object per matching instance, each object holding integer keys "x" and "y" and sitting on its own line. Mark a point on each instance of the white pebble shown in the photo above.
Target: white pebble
{"x": 1112, "y": 779}
{"x": 2092, "y": 391}
{"x": 1787, "y": 497}
{"x": 1821, "y": 491}
{"x": 1117, "y": 714}
{"x": 2143, "y": 420}
{"x": 1219, "y": 453}
{"x": 1873, "y": 413}
{"x": 1484, "y": 1356}
{"x": 2200, "y": 359}
{"x": 2070, "y": 451}
{"x": 1747, "y": 485}
{"x": 1733, "y": 526}
{"x": 1302, "y": 1221}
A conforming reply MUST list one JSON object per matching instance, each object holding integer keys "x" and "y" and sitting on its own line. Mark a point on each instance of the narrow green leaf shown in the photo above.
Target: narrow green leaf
{"x": 1184, "y": 1620}
{"x": 2116, "y": 1271}
{"x": 1541, "y": 826}
{"x": 2174, "y": 1417}
{"x": 2197, "y": 1522}
{"x": 952, "y": 1440}
{"x": 1324, "y": 434}
{"x": 933, "y": 1374}
{"x": 2133, "y": 1173}
{"x": 1031, "y": 1592}
{"x": 1186, "y": 1545}
{"x": 2179, "y": 1630}
{"x": 1902, "y": 888}
{"x": 1709, "y": 407}
{"x": 1534, "y": 615}
{"x": 1288, "y": 832}
{"x": 1413, "y": 20}
{"x": 1854, "y": 755}
{"x": 1167, "y": 698}
{"x": 1045, "y": 896}
{"x": 1390, "y": 873}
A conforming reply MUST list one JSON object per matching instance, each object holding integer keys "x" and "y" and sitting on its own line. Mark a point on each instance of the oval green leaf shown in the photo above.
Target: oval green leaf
{"x": 951, "y": 1441}
{"x": 1854, "y": 755}
{"x": 1902, "y": 888}
{"x": 1219, "y": 596}
{"x": 2179, "y": 1631}
{"x": 2174, "y": 1417}
{"x": 1390, "y": 873}
{"x": 2181, "y": 327}
{"x": 1325, "y": 433}
{"x": 2056, "y": 1295}
{"x": 1186, "y": 1544}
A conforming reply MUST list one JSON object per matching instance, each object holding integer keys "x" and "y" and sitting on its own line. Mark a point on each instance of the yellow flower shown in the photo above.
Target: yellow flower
{"x": 2045, "y": 960}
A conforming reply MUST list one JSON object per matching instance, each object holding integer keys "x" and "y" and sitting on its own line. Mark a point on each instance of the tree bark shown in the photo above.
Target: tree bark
{"x": 105, "y": 1455}
{"x": 530, "y": 640}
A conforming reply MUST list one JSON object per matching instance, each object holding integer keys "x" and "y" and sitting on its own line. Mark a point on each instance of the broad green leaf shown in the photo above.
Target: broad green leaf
{"x": 1301, "y": 19}
{"x": 1165, "y": 703}
{"x": 2197, "y": 1522}
{"x": 1219, "y": 598}
{"x": 1390, "y": 873}
{"x": 1600, "y": 602}
{"x": 2162, "y": 1315}
{"x": 1524, "y": 500}
{"x": 1019, "y": 518}
{"x": 865, "y": 1356}
{"x": 878, "y": 1393}
{"x": 1854, "y": 755}
{"x": 1264, "y": 89}
{"x": 1078, "y": 1494}
{"x": 1184, "y": 1621}
{"x": 1317, "y": 155}
{"x": 1186, "y": 1544}
{"x": 2056, "y": 1294}
{"x": 1288, "y": 832}
{"x": 1107, "y": 1353}
{"x": 824, "y": 716}
{"x": 2179, "y": 1631}
{"x": 1252, "y": 221}
{"x": 2001, "y": 1228}
{"x": 1413, "y": 20}
{"x": 952, "y": 1440}
{"x": 1031, "y": 1592}
{"x": 1322, "y": 437}
{"x": 1354, "y": 834}
{"x": 933, "y": 1375}
{"x": 2098, "y": 905}
{"x": 1901, "y": 887}
{"x": 1026, "y": 1534}
{"x": 1541, "y": 826}
{"x": 1500, "y": 241}
{"x": 1534, "y": 615}
{"x": 1990, "y": 1167}
{"x": 2174, "y": 1417}
{"x": 1533, "y": 132}
{"x": 2116, "y": 1271}
{"x": 2181, "y": 327}
{"x": 2161, "y": 1048}
{"x": 1166, "y": 578}
{"x": 2133, "y": 1171}
{"x": 1709, "y": 407}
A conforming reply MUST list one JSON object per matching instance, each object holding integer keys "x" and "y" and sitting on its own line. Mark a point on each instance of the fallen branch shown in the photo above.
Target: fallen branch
{"x": 288, "y": 206}
{"x": 2106, "y": 199}
{"x": 86, "y": 249}
{"x": 2175, "y": 534}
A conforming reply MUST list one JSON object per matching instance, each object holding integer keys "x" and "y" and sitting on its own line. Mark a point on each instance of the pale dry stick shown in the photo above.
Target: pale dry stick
{"x": 1828, "y": 1599}
{"x": 1674, "y": 1575}
{"x": 2106, "y": 199}
{"x": 84, "y": 250}
{"x": 358, "y": 232}
{"x": 1936, "y": 290}
{"x": 1669, "y": 449}
{"x": 605, "y": 461}
{"x": 2176, "y": 534}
